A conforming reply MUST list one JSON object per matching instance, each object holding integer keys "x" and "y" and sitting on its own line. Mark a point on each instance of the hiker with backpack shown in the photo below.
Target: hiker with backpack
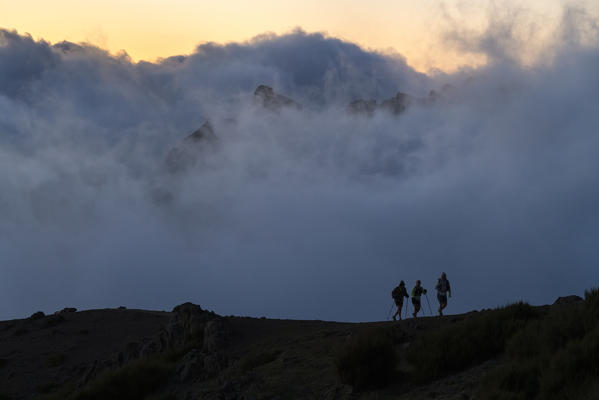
{"x": 443, "y": 288}
{"x": 416, "y": 293}
{"x": 398, "y": 294}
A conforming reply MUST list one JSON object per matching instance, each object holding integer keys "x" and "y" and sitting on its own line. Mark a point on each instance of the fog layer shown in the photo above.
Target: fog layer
{"x": 314, "y": 213}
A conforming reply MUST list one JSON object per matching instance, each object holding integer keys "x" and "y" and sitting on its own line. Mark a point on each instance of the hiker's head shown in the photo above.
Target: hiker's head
{"x": 402, "y": 283}
{"x": 443, "y": 276}
{"x": 418, "y": 283}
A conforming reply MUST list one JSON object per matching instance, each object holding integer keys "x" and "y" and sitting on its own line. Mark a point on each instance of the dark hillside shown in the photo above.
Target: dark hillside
{"x": 513, "y": 352}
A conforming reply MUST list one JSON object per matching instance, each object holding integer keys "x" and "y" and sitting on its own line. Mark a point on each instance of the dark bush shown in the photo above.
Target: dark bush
{"x": 556, "y": 357}
{"x": 573, "y": 371}
{"x": 545, "y": 336}
{"x": 368, "y": 360}
{"x": 37, "y": 315}
{"x": 514, "y": 380}
{"x": 467, "y": 343}
{"x": 132, "y": 382}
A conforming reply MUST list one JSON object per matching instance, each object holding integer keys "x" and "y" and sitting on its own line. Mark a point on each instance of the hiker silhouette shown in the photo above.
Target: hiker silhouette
{"x": 398, "y": 294}
{"x": 443, "y": 288}
{"x": 417, "y": 291}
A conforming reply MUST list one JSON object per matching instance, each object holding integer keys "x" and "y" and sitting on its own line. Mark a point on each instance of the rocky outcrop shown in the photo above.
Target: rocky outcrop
{"x": 66, "y": 310}
{"x": 37, "y": 315}
{"x": 363, "y": 107}
{"x": 266, "y": 97}
{"x": 187, "y": 154}
{"x": 188, "y": 325}
{"x": 566, "y": 300}
{"x": 398, "y": 103}
{"x": 203, "y": 332}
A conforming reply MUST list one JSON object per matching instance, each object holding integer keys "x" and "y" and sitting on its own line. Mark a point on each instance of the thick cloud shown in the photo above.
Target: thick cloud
{"x": 312, "y": 213}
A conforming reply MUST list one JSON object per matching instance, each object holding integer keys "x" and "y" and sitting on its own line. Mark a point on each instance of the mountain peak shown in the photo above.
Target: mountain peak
{"x": 269, "y": 99}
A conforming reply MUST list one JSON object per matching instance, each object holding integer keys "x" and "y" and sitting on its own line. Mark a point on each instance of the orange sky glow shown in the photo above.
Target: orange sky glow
{"x": 151, "y": 29}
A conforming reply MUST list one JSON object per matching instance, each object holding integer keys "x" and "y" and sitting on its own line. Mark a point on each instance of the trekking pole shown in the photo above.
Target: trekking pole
{"x": 429, "y": 304}
{"x": 406, "y": 314}
{"x": 389, "y": 313}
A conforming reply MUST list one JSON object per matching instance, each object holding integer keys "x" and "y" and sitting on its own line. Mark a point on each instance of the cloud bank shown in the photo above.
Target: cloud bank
{"x": 312, "y": 213}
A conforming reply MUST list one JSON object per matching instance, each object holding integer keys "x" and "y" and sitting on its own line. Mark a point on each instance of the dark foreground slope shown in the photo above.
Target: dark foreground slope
{"x": 514, "y": 352}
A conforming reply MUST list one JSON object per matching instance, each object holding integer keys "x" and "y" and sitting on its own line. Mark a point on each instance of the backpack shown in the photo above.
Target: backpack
{"x": 443, "y": 285}
{"x": 396, "y": 293}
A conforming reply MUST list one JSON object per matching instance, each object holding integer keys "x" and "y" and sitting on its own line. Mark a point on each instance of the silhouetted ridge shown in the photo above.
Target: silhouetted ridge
{"x": 188, "y": 152}
{"x": 185, "y": 155}
{"x": 269, "y": 99}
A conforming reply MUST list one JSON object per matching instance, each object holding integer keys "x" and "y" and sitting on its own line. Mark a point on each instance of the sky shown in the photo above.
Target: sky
{"x": 150, "y": 29}
{"x": 311, "y": 213}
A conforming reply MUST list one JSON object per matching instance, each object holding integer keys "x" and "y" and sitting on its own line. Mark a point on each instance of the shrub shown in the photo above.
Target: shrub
{"x": 132, "y": 382}
{"x": 546, "y": 336}
{"x": 470, "y": 342}
{"x": 368, "y": 360}
{"x": 574, "y": 370}
{"x": 514, "y": 380}
{"x": 556, "y": 357}
{"x": 591, "y": 306}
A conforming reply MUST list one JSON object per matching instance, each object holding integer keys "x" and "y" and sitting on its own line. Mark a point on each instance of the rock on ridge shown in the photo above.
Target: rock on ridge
{"x": 566, "y": 300}
{"x": 186, "y": 154}
{"x": 266, "y": 97}
{"x": 189, "y": 327}
{"x": 361, "y": 106}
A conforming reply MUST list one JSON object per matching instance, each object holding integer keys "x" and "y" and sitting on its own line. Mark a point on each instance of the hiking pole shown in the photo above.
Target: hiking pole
{"x": 391, "y": 309}
{"x": 406, "y": 314}
{"x": 429, "y": 304}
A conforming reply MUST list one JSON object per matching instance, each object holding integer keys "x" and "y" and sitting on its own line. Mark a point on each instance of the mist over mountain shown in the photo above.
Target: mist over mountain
{"x": 311, "y": 212}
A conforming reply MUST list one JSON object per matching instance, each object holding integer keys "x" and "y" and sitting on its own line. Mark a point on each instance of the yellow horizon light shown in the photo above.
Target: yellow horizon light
{"x": 154, "y": 29}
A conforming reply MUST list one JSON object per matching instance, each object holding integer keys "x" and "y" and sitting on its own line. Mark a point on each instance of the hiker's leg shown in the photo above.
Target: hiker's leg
{"x": 442, "y": 303}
